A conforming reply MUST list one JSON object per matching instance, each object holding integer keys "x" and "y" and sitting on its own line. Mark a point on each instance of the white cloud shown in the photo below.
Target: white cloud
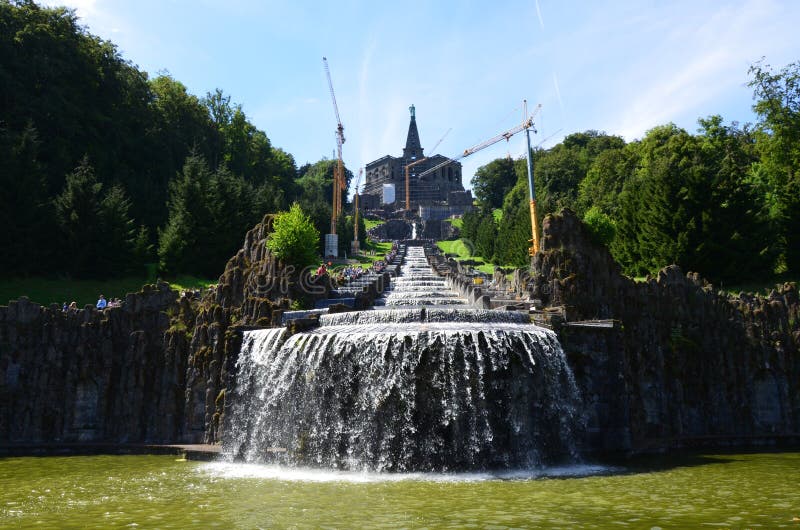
{"x": 697, "y": 64}
{"x": 539, "y": 14}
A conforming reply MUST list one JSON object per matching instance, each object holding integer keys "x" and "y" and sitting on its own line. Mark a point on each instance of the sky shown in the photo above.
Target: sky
{"x": 466, "y": 66}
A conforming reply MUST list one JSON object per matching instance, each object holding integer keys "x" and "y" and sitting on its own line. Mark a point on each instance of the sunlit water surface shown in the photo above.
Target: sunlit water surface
{"x": 739, "y": 491}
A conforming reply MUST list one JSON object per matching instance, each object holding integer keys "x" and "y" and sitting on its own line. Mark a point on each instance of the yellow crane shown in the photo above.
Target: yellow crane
{"x": 526, "y": 125}
{"x": 534, "y": 240}
{"x": 338, "y": 174}
{"x": 355, "y": 246}
{"x": 412, "y": 164}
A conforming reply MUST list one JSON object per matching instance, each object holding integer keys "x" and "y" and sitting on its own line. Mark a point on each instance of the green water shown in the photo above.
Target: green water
{"x": 738, "y": 491}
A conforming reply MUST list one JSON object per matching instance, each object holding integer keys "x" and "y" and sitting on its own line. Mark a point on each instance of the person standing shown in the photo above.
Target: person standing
{"x": 101, "y": 302}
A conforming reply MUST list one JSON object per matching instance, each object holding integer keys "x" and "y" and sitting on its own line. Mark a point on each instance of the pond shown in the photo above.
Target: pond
{"x": 723, "y": 490}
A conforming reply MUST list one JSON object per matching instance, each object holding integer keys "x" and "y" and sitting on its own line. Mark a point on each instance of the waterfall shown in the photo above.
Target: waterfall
{"x": 422, "y": 389}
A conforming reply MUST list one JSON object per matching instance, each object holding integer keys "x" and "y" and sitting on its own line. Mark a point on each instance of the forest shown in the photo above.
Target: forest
{"x": 106, "y": 169}
{"x": 723, "y": 201}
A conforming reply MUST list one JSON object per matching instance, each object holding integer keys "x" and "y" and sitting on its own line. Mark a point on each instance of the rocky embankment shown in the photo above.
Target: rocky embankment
{"x": 154, "y": 370}
{"x": 88, "y": 375}
{"x": 673, "y": 363}
{"x": 680, "y": 364}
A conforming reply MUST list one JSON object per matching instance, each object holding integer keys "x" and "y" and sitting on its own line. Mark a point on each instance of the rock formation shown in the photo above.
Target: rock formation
{"x": 682, "y": 364}
{"x": 675, "y": 363}
{"x": 89, "y": 375}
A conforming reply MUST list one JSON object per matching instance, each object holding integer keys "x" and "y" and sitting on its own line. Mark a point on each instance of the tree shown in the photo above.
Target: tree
{"x": 181, "y": 242}
{"x": 25, "y": 209}
{"x": 690, "y": 203}
{"x": 605, "y": 179}
{"x": 600, "y": 225}
{"x": 470, "y": 222}
{"x": 514, "y": 232}
{"x": 96, "y": 231}
{"x": 777, "y": 174}
{"x": 294, "y": 239}
{"x": 209, "y": 214}
{"x": 493, "y": 181}
{"x": 485, "y": 238}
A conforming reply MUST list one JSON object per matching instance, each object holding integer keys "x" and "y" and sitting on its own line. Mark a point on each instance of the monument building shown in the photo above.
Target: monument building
{"x": 435, "y": 195}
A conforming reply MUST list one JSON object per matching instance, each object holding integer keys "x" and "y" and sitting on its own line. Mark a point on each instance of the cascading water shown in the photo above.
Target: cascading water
{"x": 423, "y": 389}
{"x": 418, "y": 286}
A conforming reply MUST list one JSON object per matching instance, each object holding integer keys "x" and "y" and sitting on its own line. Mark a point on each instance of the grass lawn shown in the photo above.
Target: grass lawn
{"x": 48, "y": 290}
{"x": 454, "y": 247}
{"x": 365, "y": 259}
{"x": 462, "y": 251}
{"x": 372, "y": 223}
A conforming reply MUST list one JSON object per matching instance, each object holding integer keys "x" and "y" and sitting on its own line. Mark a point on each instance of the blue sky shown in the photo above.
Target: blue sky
{"x": 619, "y": 67}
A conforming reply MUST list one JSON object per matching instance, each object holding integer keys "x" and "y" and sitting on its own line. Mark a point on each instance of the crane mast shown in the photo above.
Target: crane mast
{"x": 331, "y": 241}
{"x": 338, "y": 179}
{"x": 534, "y": 240}
{"x": 355, "y": 246}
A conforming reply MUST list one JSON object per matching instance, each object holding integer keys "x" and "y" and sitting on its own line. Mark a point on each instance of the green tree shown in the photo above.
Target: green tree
{"x": 486, "y": 236}
{"x": 777, "y": 175}
{"x": 470, "y": 222}
{"x": 181, "y": 242}
{"x": 25, "y": 209}
{"x": 493, "y": 181}
{"x": 210, "y": 211}
{"x": 605, "y": 179}
{"x": 514, "y": 231}
{"x": 600, "y": 225}
{"x": 294, "y": 239}
{"x": 96, "y": 231}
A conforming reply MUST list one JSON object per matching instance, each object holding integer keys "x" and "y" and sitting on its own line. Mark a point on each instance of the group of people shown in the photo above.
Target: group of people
{"x": 380, "y": 265}
{"x": 102, "y": 303}
{"x": 350, "y": 273}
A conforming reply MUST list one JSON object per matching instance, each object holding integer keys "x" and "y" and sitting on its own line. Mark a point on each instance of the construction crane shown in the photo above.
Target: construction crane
{"x": 534, "y": 240}
{"x": 526, "y": 125}
{"x": 355, "y": 246}
{"x": 412, "y": 164}
{"x": 338, "y": 175}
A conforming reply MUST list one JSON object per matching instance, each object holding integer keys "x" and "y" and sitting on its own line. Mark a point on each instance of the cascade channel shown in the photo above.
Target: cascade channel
{"x": 423, "y": 382}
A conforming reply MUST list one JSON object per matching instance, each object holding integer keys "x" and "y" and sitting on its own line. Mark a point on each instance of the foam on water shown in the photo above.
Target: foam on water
{"x": 228, "y": 470}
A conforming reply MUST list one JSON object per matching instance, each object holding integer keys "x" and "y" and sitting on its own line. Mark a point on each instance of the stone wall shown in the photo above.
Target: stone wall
{"x": 89, "y": 375}
{"x": 682, "y": 363}
{"x": 154, "y": 370}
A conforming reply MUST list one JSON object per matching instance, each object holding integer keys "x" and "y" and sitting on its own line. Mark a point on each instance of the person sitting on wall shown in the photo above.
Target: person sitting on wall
{"x": 101, "y": 302}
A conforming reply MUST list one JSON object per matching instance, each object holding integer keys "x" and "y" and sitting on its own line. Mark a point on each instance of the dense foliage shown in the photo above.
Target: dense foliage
{"x": 105, "y": 169}
{"x": 294, "y": 238}
{"x": 724, "y": 201}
